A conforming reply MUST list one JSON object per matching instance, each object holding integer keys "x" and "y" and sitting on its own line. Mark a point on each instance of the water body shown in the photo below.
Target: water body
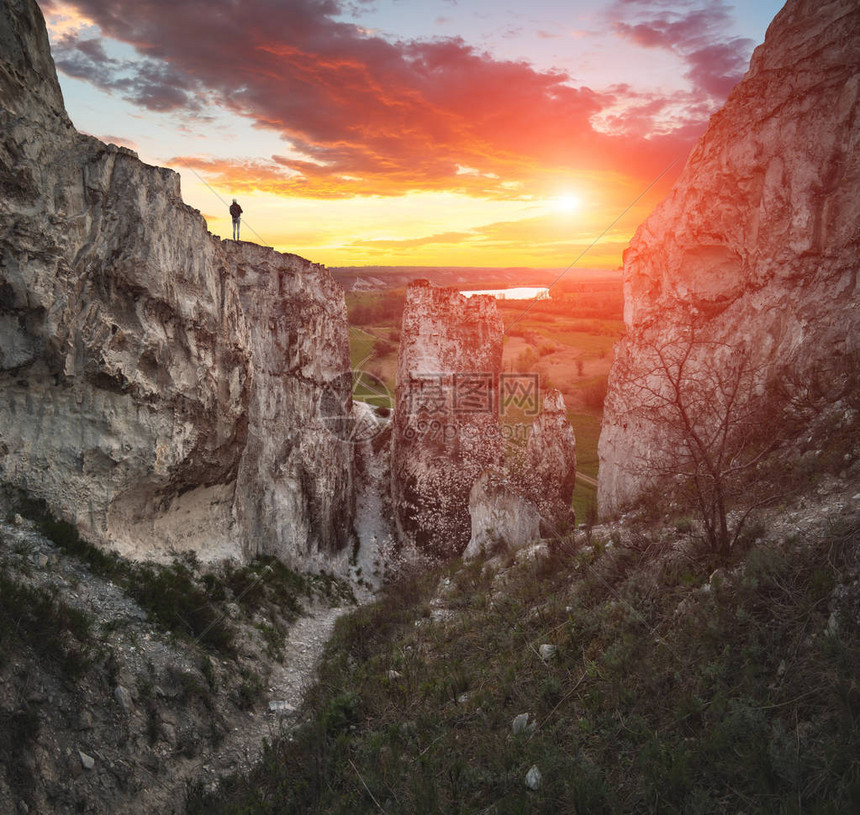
{"x": 517, "y": 293}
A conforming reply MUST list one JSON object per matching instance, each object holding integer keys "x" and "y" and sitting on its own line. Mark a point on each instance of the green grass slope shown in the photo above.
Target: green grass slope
{"x": 673, "y": 688}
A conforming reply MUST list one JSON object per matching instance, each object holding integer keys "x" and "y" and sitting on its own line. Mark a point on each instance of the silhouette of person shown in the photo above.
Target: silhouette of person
{"x": 236, "y": 214}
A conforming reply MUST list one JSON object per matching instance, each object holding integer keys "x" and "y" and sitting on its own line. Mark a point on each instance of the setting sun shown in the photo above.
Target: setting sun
{"x": 472, "y": 134}
{"x": 567, "y": 203}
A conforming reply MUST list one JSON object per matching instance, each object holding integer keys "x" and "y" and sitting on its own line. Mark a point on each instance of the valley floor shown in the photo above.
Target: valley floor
{"x": 620, "y": 671}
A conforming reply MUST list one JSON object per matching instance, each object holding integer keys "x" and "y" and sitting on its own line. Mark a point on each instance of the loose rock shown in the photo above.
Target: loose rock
{"x": 547, "y": 652}
{"x": 281, "y": 707}
{"x": 123, "y": 697}
{"x": 520, "y": 723}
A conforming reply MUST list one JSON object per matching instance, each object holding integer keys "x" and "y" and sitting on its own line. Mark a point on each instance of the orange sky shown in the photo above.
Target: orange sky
{"x": 353, "y": 135}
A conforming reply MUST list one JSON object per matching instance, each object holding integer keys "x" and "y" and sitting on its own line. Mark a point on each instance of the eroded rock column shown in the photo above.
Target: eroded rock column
{"x": 446, "y": 428}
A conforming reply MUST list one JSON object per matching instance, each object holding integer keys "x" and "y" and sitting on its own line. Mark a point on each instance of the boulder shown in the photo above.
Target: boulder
{"x": 502, "y": 520}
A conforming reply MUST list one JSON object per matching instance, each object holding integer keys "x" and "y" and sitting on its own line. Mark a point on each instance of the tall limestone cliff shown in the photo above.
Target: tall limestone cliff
{"x": 755, "y": 252}
{"x": 158, "y": 387}
{"x": 446, "y": 424}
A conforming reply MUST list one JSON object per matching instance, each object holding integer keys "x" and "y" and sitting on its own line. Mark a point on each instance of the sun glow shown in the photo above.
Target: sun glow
{"x": 567, "y": 203}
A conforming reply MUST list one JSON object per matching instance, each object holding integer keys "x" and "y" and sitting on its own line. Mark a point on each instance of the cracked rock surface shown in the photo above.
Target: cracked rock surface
{"x": 159, "y": 387}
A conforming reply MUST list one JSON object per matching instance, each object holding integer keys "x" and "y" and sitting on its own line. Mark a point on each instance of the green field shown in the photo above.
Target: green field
{"x": 586, "y": 427}
{"x": 373, "y": 356}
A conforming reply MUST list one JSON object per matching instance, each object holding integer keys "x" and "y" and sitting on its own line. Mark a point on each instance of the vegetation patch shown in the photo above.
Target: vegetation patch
{"x": 186, "y": 601}
{"x": 669, "y": 689}
{"x": 18, "y": 733}
{"x": 36, "y": 619}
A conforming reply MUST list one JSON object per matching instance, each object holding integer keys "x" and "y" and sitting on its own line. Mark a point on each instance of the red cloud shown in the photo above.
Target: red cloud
{"x": 371, "y": 116}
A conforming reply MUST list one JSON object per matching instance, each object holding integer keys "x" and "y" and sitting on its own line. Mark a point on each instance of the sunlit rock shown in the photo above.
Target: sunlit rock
{"x": 757, "y": 244}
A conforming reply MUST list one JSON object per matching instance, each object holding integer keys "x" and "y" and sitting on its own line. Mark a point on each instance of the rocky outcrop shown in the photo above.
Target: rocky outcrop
{"x": 446, "y": 426}
{"x": 531, "y": 496}
{"x": 549, "y": 472}
{"x": 158, "y": 387}
{"x": 755, "y": 250}
{"x": 502, "y": 520}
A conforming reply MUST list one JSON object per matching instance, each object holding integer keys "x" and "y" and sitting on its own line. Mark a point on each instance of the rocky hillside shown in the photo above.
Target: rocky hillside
{"x": 160, "y": 387}
{"x": 741, "y": 289}
{"x": 122, "y": 682}
{"x": 616, "y": 672}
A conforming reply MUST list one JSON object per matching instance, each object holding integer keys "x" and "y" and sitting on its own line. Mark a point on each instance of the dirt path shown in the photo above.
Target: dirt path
{"x": 286, "y": 687}
{"x": 150, "y": 713}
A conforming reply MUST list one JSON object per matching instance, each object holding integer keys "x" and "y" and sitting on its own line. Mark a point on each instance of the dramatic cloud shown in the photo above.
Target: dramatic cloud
{"x": 544, "y": 235}
{"x": 412, "y": 243}
{"x": 362, "y": 115}
{"x": 150, "y": 83}
{"x": 697, "y": 35}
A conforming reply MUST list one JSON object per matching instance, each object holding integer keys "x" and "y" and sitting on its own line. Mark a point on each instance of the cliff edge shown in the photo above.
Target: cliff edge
{"x": 754, "y": 254}
{"x": 159, "y": 387}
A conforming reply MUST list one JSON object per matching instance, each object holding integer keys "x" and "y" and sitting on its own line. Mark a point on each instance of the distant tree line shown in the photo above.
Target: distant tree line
{"x": 373, "y": 308}
{"x": 594, "y": 301}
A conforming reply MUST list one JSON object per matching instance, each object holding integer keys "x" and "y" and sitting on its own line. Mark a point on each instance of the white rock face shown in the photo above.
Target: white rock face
{"x": 158, "y": 387}
{"x": 757, "y": 244}
{"x": 446, "y": 425}
{"x": 508, "y": 509}
{"x": 549, "y": 474}
{"x": 502, "y": 520}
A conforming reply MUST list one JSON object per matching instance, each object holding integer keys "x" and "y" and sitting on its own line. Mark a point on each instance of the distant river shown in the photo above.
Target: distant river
{"x": 520, "y": 293}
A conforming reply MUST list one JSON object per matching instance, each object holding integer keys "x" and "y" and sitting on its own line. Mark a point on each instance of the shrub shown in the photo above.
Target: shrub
{"x": 34, "y": 619}
{"x": 595, "y": 395}
{"x": 19, "y": 730}
{"x": 171, "y": 596}
{"x": 382, "y": 347}
{"x": 250, "y": 689}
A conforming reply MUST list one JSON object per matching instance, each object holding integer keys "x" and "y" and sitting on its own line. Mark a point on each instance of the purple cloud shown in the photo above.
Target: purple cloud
{"x": 392, "y": 116}
{"x": 716, "y": 62}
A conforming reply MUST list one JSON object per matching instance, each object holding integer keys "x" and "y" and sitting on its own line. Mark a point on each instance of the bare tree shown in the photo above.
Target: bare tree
{"x": 712, "y": 421}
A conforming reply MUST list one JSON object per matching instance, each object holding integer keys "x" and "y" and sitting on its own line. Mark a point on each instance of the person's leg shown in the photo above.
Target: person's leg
{"x": 238, "y": 224}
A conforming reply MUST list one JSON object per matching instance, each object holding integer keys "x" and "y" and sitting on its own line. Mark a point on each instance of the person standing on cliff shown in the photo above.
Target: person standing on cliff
{"x": 236, "y": 214}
